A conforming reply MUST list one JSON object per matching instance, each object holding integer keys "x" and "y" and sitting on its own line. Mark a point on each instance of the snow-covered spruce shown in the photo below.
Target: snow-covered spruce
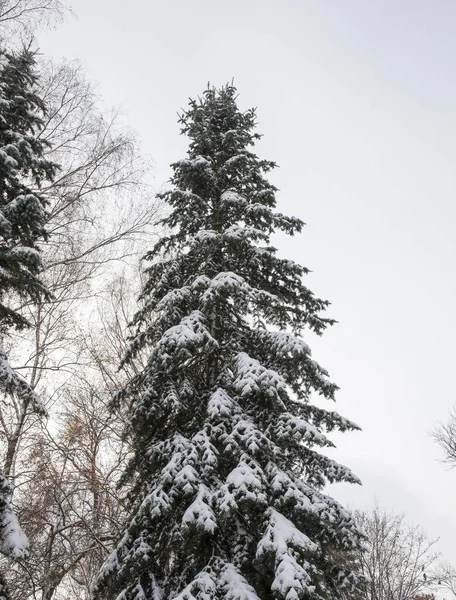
{"x": 23, "y": 168}
{"x": 227, "y": 471}
{"x": 22, "y": 217}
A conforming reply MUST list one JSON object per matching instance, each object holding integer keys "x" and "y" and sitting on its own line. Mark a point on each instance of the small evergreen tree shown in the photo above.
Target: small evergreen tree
{"x": 23, "y": 168}
{"x": 227, "y": 473}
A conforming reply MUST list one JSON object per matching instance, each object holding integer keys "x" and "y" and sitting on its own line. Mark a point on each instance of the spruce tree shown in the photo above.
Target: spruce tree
{"x": 23, "y": 168}
{"x": 227, "y": 472}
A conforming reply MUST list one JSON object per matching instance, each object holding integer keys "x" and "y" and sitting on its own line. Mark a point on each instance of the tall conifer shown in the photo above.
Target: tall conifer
{"x": 228, "y": 470}
{"x": 23, "y": 169}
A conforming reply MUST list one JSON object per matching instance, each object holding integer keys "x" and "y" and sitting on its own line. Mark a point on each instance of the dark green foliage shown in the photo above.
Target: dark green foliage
{"x": 23, "y": 168}
{"x": 227, "y": 471}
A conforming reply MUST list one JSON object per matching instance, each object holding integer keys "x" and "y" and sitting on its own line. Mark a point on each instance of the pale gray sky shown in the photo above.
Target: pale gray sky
{"x": 357, "y": 103}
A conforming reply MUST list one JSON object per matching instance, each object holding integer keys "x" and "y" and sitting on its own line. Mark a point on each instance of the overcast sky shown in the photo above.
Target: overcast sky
{"x": 356, "y": 100}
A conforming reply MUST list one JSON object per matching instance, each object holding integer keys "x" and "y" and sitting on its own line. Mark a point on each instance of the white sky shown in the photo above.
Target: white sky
{"x": 356, "y": 100}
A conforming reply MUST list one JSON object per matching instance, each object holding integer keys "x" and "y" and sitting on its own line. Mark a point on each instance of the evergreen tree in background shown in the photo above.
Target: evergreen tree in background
{"x": 22, "y": 218}
{"x": 227, "y": 470}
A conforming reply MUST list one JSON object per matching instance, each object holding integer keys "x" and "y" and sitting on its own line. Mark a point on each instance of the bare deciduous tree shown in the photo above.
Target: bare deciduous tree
{"x": 20, "y": 18}
{"x": 100, "y": 211}
{"x": 70, "y": 507}
{"x": 445, "y": 436}
{"x": 65, "y": 470}
{"x": 445, "y": 576}
{"x": 398, "y": 558}
{"x": 70, "y": 504}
